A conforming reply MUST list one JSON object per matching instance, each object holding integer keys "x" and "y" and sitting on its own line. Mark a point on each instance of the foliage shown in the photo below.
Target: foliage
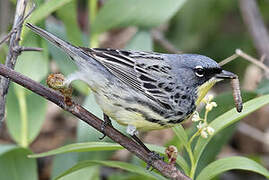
{"x": 26, "y": 111}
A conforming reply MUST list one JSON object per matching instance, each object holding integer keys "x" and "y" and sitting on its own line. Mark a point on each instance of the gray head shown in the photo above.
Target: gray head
{"x": 195, "y": 69}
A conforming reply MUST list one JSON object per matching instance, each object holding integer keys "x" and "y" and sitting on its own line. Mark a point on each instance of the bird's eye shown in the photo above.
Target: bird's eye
{"x": 199, "y": 71}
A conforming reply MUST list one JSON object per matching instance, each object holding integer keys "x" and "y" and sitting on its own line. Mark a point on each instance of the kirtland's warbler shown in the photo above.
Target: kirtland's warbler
{"x": 142, "y": 90}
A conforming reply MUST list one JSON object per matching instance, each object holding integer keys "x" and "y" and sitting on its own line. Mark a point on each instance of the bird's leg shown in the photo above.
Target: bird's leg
{"x": 152, "y": 154}
{"x": 106, "y": 122}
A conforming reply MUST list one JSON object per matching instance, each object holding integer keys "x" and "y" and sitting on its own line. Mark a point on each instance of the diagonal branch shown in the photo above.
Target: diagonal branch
{"x": 167, "y": 170}
{"x": 253, "y": 20}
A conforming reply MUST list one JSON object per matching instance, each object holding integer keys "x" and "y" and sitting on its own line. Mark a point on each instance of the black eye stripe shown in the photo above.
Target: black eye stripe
{"x": 200, "y": 71}
{"x": 213, "y": 70}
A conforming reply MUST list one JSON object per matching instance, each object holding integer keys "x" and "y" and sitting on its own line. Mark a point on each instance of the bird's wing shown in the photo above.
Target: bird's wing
{"x": 145, "y": 72}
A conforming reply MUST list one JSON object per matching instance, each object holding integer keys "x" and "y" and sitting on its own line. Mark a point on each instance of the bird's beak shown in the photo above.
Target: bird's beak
{"x": 226, "y": 75}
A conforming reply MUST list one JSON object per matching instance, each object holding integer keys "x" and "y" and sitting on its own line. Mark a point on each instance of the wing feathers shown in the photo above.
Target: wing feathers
{"x": 140, "y": 70}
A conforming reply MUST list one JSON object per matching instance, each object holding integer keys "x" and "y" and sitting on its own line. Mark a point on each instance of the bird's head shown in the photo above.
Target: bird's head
{"x": 201, "y": 72}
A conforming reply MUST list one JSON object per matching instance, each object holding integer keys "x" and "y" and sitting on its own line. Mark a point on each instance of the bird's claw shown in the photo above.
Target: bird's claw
{"x": 105, "y": 123}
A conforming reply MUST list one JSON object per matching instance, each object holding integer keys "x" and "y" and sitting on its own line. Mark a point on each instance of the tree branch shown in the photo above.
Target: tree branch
{"x": 167, "y": 170}
{"x": 12, "y": 55}
{"x": 159, "y": 38}
{"x": 256, "y": 27}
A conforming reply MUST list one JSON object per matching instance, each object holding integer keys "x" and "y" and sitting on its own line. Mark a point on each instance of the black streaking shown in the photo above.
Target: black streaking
{"x": 146, "y": 116}
{"x": 149, "y": 86}
{"x": 168, "y": 89}
{"x": 145, "y": 78}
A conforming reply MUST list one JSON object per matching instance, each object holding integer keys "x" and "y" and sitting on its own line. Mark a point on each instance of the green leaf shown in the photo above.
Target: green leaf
{"x": 141, "y": 41}
{"x": 25, "y": 114}
{"x": 68, "y": 14}
{"x": 225, "y": 103}
{"x": 181, "y": 134}
{"x": 80, "y": 147}
{"x": 231, "y": 163}
{"x": 115, "y": 164}
{"x": 43, "y": 11}
{"x": 14, "y": 164}
{"x": 6, "y": 148}
{"x": 125, "y": 176}
{"x": 63, "y": 162}
{"x": 88, "y": 173}
{"x": 145, "y": 14}
{"x": 228, "y": 119}
{"x": 103, "y": 146}
{"x": 33, "y": 64}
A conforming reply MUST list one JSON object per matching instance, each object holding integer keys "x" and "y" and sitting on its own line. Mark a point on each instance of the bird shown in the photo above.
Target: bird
{"x": 141, "y": 90}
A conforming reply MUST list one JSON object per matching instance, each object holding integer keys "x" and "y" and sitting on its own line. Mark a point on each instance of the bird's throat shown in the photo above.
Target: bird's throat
{"x": 204, "y": 88}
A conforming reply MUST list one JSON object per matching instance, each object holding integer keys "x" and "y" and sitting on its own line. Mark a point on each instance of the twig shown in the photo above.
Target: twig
{"x": 240, "y": 53}
{"x": 14, "y": 30}
{"x": 55, "y": 97}
{"x": 12, "y": 55}
{"x": 252, "y": 60}
{"x": 256, "y": 26}
{"x": 6, "y": 37}
{"x": 21, "y": 49}
{"x": 228, "y": 59}
{"x": 158, "y": 37}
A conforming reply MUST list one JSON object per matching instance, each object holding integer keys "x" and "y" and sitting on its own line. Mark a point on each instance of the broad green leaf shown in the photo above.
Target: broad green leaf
{"x": 103, "y": 146}
{"x": 14, "y": 164}
{"x": 146, "y": 14}
{"x": 33, "y": 64}
{"x": 80, "y": 147}
{"x": 231, "y": 163}
{"x": 5, "y": 148}
{"x": 63, "y": 162}
{"x": 115, "y": 164}
{"x": 43, "y": 11}
{"x": 25, "y": 114}
{"x": 88, "y": 173}
{"x": 125, "y": 176}
{"x": 142, "y": 41}
{"x": 225, "y": 103}
{"x": 181, "y": 134}
{"x": 68, "y": 14}
{"x": 228, "y": 119}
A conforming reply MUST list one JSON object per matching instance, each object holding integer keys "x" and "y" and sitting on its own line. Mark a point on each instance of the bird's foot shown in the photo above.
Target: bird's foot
{"x": 105, "y": 123}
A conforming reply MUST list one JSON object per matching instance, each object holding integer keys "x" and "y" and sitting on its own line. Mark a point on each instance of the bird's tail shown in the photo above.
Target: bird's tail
{"x": 65, "y": 46}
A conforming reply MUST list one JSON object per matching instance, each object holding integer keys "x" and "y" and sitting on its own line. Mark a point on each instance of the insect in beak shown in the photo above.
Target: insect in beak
{"x": 235, "y": 85}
